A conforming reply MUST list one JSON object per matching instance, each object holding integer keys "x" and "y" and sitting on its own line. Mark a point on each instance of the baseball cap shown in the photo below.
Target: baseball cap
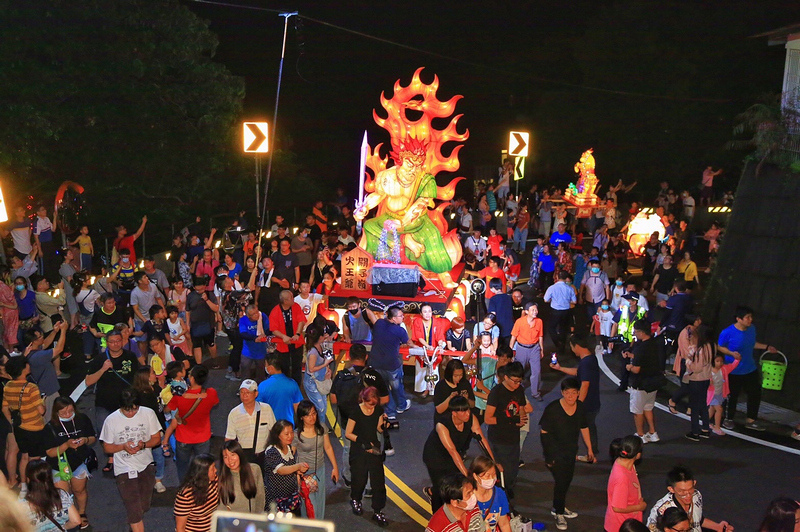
{"x": 630, "y": 296}
{"x": 249, "y": 384}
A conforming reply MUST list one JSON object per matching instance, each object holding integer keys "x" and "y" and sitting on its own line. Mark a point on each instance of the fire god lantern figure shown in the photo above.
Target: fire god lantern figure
{"x": 405, "y": 193}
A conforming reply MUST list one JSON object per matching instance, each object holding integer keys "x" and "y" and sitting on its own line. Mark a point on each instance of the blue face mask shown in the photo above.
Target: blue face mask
{"x": 19, "y": 287}
{"x": 604, "y": 307}
{"x": 619, "y": 283}
{"x": 595, "y": 270}
{"x": 66, "y": 419}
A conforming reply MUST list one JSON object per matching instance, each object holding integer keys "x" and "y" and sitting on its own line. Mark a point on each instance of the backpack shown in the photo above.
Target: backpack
{"x": 348, "y": 387}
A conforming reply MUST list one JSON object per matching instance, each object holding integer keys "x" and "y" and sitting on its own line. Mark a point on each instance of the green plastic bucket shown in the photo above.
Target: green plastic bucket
{"x": 773, "y": 371}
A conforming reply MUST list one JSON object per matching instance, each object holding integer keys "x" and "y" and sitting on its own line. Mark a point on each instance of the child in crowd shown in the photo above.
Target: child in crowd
{"x": 718, "y": 390}
{"x": 605, "y": 321}
{"x": 618, "y": 291}
{"x": 176, "y": 385}
{"x": 488, "y": 367}
{"x": 84, "y": 243}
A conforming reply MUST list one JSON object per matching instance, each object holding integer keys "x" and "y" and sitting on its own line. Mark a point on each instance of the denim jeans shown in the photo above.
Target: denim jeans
{"x": 160, "y": 461}
{"x": 320, "y": 401}
{"x": 397, "y": 393}
{"x": 520, "y": 238}
{"x": 186, "y": 451}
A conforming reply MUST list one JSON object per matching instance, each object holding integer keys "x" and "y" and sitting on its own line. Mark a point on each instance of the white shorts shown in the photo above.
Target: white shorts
{"x": 642, "y": 401}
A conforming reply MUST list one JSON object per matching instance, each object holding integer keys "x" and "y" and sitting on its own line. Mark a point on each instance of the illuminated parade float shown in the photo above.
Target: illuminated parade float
{"x": 406, "y": 252}
{"x": 582, "y": 194}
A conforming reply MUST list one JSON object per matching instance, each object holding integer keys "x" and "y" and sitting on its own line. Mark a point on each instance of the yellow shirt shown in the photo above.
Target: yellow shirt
{"x": 688, "y": 269}
{"x": 85, "y": 244}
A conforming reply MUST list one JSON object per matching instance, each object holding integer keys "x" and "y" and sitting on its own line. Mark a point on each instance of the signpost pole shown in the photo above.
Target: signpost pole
{"x": 258, "y": 194}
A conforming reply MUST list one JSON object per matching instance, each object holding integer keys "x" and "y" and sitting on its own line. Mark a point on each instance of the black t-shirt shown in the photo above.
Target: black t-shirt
{"x": 154, "y": 329}
{"x": 645, "y": 356}
{"x": 150, "y": 400}
{"x": 284, "y": 266}
{"x": 666, "y": 278}
{"x": 443, "y": 391}
{"x": 366, "y": 428}
{"x": 113, "y": 381}
{"x": 509, "y": 409}
{"x": 314, "y": 232}
{"x": 435, "y": 455}
{"x": 198, "y": 308}
{"x": 103, "y": 322}
{"x": 563, "y": 430}
{"x": 57, "y": 433}
{"x": 458, "y": 342}
{"x": 347, "y": 384}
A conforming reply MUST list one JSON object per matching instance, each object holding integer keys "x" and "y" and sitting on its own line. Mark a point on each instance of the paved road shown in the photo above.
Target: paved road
{"x": 737, "y": 478}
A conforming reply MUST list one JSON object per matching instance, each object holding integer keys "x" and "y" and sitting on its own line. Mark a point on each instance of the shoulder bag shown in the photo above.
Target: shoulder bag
{"x": 312, "y": 481}
{"x": 16, "y": 415}
{"x": 182, "y": 420}
{"x": 323, "y": 386}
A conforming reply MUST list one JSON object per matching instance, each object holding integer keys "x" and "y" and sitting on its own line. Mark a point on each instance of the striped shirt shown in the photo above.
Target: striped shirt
{"x": 32, "y": 420}
{"x": 198, "y": 517}
{"x": 241, "y": 426}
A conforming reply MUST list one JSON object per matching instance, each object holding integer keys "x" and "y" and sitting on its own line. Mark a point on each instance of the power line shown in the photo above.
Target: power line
{"x": 480, "y": 65}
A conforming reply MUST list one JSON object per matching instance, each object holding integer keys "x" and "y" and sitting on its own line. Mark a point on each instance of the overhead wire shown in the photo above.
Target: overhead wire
{"x": 526, "y": 76}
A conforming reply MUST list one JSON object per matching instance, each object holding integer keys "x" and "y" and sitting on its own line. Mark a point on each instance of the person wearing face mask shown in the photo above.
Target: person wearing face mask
{"x": 69, "y": 436}
{"x": 492, "y": 500}
{"x": 594, "y": 288}
{"x": 460, "y": 511}
{"x": 604, "y": 323}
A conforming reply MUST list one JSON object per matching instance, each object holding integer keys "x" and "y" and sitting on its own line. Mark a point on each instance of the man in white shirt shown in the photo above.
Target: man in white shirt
{"x": 250, "y": 422}
{"x": 129, "y": 434}
{"x": 688, "y": 205}
{"x": 308, "y": 301}
{"x": 477, "y": 245}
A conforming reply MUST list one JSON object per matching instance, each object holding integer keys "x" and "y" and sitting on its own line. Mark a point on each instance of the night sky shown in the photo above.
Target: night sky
{"x": 332, "y": 79}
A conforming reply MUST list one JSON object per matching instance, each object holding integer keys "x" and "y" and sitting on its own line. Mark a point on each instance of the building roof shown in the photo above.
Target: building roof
{"x": 779, "y": 35}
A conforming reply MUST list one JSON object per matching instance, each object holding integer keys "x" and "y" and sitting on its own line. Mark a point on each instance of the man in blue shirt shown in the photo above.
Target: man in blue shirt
{"x": 741, "y": 338}
{"x": 501, "y": 305}
{"x": 387, "y": 337}
{"x": 253, "y": 327}
{"x": 561, "y": 297}
{"x": 279, "y": 391}
{"x": 560, "y": 236}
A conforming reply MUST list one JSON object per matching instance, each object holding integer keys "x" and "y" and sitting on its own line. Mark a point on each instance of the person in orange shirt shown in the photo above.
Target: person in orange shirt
{"x": 427, "y": 331}
{"x": 493, "y": 243}
{"x": 319, "y": 216}
{"x": 527, "y": 341}
{"x": 492, "y": 271}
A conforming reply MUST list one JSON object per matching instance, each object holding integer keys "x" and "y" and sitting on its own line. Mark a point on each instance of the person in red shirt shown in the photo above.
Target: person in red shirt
{"x": 288, "y": 322}
{"x": 493, "y": 243}
{"x": 427, "y": 331}
{"x": 207, "y": 266}
{"x": 125, "y": 241}
{"x": 193, "y": 433}
{"x": 492, "y": 271}
{"x": 460, "y": 512}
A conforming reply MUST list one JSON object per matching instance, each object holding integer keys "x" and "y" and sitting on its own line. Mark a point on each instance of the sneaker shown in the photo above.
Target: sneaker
{"x": 232, "y": 377}
{"x": 379, "y": 518}
{"x": 522, "y": 463}
{"x": 356, "y": 508}
{"x": 561, "y": 522}
{"x": 160, "y": 488}
{"x": 795, "y": 435}
{"x": 368, "y": 493}
{"x": 582, "y": 458}
{"x": 692, "y": 436}
{"x": 389, "y": 451}
{"x": 705, "y": 434}
{"x": 644, "y": 438}
{"x": 538, "y": 397}
{"x": 755, "y": 425}
{"x": 222, "y": 333}
{"x": 406, "y": 407}
{"x": 63, "y": 376}
{"x": 569, "y": 514}
{"x": 652, "y": 437}
{"x": 728, "y": 424}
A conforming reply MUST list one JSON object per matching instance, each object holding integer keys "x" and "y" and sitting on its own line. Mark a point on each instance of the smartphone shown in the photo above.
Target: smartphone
{"x": 245, "y": 522}
{"x": 553, "y": 359}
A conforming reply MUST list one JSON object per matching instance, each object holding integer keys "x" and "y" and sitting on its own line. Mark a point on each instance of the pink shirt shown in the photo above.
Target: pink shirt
{"x": 623, "y": 491}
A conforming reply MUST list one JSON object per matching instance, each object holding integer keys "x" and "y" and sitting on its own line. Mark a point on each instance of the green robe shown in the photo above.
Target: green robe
{"x": 435, "y": 258}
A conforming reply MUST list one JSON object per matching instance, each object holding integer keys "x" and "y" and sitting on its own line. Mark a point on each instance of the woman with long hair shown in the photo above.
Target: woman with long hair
{"x": 241, "y": 485}
{"x": 198, "y": 496}
{"x": 8, "y": 309}
{"x": 698, "y": 367}
{"x": 454, "y": 384}
{"x": 492, "y": 499}
{"x": 366, "y": 459}
{"x": 783, "y": 515}
{"x": 48, "y": 505}
{"x": 70, "y": 434}
{"x": 312, "y": 444}
{"x": 624, "y": 491}
{"x": 282, "y": 471}
{"x": 145, "y": 382}
{"x": 317, "y": 374}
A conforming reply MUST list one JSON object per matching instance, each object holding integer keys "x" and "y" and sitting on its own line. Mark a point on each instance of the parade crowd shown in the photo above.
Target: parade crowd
{"x": 147, "y": 339}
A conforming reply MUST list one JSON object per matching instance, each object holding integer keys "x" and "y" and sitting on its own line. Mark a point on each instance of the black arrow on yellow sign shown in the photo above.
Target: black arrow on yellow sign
{"x": 259, "y": 137}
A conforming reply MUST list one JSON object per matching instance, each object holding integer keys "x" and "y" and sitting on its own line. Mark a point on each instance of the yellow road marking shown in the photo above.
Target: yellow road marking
{"x": 403, "y": 505}
{"x": 414, "y": 496}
